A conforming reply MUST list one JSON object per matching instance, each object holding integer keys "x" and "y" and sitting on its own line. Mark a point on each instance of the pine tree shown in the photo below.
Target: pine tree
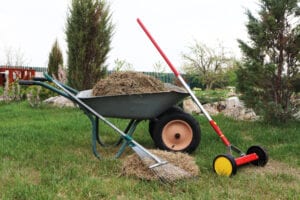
{"x": 271, "y": 59}
{"x": 55, "y": 59}
{"x": 89, "y": 31}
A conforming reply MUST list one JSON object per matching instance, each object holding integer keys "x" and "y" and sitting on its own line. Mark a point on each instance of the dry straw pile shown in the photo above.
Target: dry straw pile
{"x": 123, "y": 83}
{"x": 133, "y": 166}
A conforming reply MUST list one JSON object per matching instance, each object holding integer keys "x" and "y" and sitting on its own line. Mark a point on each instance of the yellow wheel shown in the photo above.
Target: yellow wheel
{"x": 224, "y": 165}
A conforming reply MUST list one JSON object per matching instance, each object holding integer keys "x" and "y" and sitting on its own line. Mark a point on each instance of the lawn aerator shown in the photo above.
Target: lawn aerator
{"x": 224, "y": 164}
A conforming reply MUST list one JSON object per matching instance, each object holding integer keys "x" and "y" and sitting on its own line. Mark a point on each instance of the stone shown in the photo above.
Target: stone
{"x": 233, "y": 102}
{"x": 60, "y": 101}
{"x": 190, "y": 107}
{"x": 231, "y": 107}
{"x": 211, "y": 108}
{"x": 297, "y": 115}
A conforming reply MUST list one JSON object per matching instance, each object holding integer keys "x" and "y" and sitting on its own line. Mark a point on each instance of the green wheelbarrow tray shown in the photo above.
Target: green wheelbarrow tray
{"x": 134, "y": 106}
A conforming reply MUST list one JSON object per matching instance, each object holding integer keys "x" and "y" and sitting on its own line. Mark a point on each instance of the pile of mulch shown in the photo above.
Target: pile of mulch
{"x": 133, "y": 166}
{"x": 123, "y": 83}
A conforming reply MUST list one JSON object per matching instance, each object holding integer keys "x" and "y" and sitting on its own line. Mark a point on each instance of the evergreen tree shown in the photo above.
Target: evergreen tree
{"x": 89, "y": 31}
{"x": 55, "y": 59}
{"x": 271, "y": 59}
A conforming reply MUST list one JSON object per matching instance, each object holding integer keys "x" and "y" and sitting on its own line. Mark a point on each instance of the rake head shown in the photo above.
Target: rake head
{"x": 169, "y": 173}
{"x": 165, "y": 171}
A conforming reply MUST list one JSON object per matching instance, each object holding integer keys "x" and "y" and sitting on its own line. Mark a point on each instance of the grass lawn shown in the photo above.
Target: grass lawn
{"x": 46, "y": 153}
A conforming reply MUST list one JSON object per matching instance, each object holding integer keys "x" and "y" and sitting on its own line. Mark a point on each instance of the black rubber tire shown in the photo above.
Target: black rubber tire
{"x": 226, "y": 167}
{"x": 261, "y": 153}
{"x": 182, "y": 119}
{"x": 151, "y": 126}
{"x": 171, "y": 110}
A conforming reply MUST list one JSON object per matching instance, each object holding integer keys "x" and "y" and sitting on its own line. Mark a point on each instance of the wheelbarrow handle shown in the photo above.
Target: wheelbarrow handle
{"x": 27, "y": 82}
{"x": 50, "y": 79}
{"x": 45, "y": 85}
{"x": 42, "y": 79}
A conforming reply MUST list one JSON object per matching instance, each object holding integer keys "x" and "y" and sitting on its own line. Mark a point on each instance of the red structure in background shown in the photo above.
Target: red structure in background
{"x": 11, "y": 74}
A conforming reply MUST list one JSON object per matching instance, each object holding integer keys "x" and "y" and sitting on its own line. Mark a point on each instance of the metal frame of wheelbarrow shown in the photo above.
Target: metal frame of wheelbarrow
{"x": 224, "y": 164}
{"x": 122, "y": 107}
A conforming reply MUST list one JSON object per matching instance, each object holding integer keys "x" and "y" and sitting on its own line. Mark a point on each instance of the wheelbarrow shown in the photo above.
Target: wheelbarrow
{"x": 169, "y": 126}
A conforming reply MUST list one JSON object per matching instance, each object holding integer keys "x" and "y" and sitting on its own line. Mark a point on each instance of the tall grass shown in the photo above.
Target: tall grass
{"x": 46, "y": 153}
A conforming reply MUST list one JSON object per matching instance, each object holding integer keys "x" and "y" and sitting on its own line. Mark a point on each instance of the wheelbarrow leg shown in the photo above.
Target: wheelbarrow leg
{"x": 130, "y": 129}
{"x": 96, "y": 119}
{"x": 96, "y": 126}
{"x": 125, "y": 131}
{"x": 95, "y": 137}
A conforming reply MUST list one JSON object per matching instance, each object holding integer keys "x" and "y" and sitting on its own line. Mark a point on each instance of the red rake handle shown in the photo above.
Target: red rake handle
{"x": 158, "y": 48}
{"x": 211, "y": 121}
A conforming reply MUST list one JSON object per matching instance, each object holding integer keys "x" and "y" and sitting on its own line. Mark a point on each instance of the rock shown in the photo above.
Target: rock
{"x": 232, "y": 113}
{"x": 211, "y": 108}
{"x": 233, "y": 102}
{"x": 240, "y": 113}
{"x": 297, "y": 115}
{"x": 250, "y": 114}
{"x": 190, "y": 107}
{"x": 231, "y": 107}
{"x": 221, "y": 105}
{"x": 236, "y": 110}
{"x": 60, "y": 101}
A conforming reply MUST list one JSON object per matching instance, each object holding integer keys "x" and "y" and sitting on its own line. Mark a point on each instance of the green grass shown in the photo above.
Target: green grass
{"x": 46, "y": 153}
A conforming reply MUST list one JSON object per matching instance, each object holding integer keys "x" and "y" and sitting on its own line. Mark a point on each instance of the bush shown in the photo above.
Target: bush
{"x": 13, "y": 92}
{"x": 193, "y": 80}
{"x": 275, "y": 114}
{"x": 210, "y": 96}
{"x": 36, "y": 94}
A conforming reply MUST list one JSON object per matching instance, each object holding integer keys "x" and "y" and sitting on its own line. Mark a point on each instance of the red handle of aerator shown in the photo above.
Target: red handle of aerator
{"x": 219, "y": 132}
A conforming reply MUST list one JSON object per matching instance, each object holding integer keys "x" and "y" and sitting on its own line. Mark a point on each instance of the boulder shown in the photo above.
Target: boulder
{"x": 231, "y": 107}
{"x": 190, "y": 107}
{"x": 297, "y": 115}
{"x": 240, "y": 113}
{"x": 233, "y": 102}
{"x": 60, "y": 101}
{"x": 211, "y": 108}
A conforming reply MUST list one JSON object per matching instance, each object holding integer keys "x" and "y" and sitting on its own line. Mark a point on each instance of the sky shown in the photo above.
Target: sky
{"x": 29, "y": 28}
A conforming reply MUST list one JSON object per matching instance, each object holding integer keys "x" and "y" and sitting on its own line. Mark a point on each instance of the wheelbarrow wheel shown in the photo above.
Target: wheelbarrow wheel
{"x": 225, "y": 165}
{"x": 177, "y": 131}
{"x": 151, "y": 126}
{"x": 171, "y": 110}
{"x": 261, "y": 153}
